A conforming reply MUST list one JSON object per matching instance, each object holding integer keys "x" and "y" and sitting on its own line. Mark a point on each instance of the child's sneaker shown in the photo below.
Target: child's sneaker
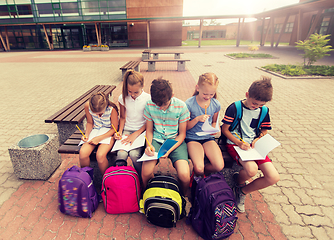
{"x": 191, "y": 179}
{"x": 239, "y": 199}
{"x": 235, "y": 178}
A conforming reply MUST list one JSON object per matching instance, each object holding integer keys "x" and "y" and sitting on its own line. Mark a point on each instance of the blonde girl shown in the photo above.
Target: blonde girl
{"x": 204, "y": 105}
{"x": 132, "y": 123}
{"x": 100, "y": 114}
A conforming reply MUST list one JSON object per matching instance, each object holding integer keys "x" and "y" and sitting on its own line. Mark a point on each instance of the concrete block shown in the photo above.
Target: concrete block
{"x": 151, "y": 66}
{"x": 65, "y": 130}
{"x": 36, "y": 162}
{"x": 181, "y": 66}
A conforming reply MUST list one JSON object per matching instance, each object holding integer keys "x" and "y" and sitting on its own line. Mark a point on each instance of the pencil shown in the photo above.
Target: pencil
{"x": 205, "y": 109}
{"x": 239, "y": 137}
{"x": 81, "y": 131}
{"x": 148, "y": 143}
{"x": 115, "y": 129}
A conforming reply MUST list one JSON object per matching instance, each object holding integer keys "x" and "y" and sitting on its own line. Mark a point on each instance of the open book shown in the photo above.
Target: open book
{"x": 97, "y": 132}
{"x": 168, "y": 144}
{"x": 261, "y": 149}
{"x": 138, "y": 142}
{"x": 208, "y": 129}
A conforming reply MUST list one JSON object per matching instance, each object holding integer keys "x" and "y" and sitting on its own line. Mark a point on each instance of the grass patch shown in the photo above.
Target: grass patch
{"x": 223, "y": 42}
{"x": 249, "y": 55}
{"x": 298, "y": 70}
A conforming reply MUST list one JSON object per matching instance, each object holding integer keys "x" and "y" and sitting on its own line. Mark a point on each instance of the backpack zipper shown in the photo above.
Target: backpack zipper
{"x": 163, "y": 206}
{"x": 164, "y": 182}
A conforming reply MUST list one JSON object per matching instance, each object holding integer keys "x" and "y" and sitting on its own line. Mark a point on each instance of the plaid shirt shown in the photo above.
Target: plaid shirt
{"x": 166, "y": 123}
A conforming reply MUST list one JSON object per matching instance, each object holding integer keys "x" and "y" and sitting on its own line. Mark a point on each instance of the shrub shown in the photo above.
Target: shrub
{"x": 315, "y": 48}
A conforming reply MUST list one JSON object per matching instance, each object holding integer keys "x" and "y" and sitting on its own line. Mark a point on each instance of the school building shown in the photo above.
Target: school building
{"x": 71, "y": 24}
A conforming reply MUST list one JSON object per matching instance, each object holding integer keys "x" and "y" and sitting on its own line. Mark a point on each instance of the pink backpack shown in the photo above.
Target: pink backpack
{"x": 121, "y": 190}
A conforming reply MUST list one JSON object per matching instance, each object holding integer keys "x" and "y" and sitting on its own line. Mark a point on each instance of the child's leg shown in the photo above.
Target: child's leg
{"x": 147, "y": 171}
{"x": 85, "y": 151}
{"x": 101, "y": 156}
{"x": 183, "y": 173}
{"x": 248, "y": 171}
{"x": 122, "y": 155}
{"x": 134, "y": 155}
{"x": 270, "y": 177}
{"x": 196, "y": 154}
{"x": 214, "y": 154}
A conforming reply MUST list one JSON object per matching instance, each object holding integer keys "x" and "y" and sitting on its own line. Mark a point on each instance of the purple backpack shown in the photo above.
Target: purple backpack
{"x": 213, "y": 212}
{"x": 76, "y": 193}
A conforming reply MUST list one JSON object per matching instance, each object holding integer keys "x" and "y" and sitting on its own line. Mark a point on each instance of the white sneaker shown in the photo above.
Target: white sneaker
{"x": 239, "y": 199}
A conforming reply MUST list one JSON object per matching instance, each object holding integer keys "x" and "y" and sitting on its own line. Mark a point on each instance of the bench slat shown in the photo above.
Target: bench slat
{"x": 166, "y": 60}
{"x": 70, "y": 149}
{"x": 57, "y": 114}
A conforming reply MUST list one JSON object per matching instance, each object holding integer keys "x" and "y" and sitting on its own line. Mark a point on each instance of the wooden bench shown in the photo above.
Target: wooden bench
{"x": 74, "y": 113}
{"x": 177, "y": 55}
{"x": 130, "y": 65}
{"x": 146, "y": 54}
{"x": 181, "y": 63}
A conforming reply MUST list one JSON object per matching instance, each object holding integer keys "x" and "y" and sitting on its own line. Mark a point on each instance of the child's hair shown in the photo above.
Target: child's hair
{"x": 261, "y": 90}
{"x": 161, "y": 91}
{"x": 207, "y": 78}
{"x": 99, "y": 101}
{"x": 131, "y": 77}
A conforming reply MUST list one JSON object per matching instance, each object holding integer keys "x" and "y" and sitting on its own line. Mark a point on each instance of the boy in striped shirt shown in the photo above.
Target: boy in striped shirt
{"x": 259, "y": 93}
{"x": 166, "y": 118}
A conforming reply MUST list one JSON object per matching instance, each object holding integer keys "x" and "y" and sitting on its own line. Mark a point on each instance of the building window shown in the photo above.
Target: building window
{"x": 324, "y": 25}
{"x": 278, "y": 27}
{"x": 289, "y": 27}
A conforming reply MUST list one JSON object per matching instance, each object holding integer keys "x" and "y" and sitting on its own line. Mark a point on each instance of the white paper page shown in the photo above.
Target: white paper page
{"x": 262, "y": 147}
{"x": 265, "y": 144}
{"x": 208, "y": 129}
{"x": 148, "y": 158}
{"x": 138, "y": 142}
{"x": 97, "y": 132}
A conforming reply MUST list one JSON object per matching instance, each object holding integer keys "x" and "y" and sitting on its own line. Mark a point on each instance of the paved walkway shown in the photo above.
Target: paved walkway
{"x": 36, "y": 84}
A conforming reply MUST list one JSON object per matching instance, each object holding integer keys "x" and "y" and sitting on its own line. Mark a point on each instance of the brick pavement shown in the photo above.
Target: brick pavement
{"x": 36, "y": 84}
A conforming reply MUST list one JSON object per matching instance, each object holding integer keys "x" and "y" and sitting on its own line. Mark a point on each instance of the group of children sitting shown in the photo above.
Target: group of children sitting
{"x": 164, "y": 116}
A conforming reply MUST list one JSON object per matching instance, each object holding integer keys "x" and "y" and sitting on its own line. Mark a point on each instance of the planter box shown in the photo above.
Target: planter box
{"x": 104, "y": 48}
{"x": 35, "y": 157}
{"x": 87, "y": 49}
{"x": 96, "y": 48}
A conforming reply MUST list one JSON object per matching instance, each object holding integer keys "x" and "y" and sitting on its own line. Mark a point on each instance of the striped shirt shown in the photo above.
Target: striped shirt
{"x": 104, "y": 120}
{"x": 166, "y": 122}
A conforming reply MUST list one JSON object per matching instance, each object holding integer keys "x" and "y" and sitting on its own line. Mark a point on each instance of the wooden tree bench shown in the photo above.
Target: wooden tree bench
{"x": 74, "y": 113}
{"x": 181, "y": 63}
{"x": 130, "y": 65}
{"x": 177, "y": 55}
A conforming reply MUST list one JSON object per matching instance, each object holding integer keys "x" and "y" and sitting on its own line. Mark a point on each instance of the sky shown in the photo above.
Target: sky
{"x": 231, "y": 7}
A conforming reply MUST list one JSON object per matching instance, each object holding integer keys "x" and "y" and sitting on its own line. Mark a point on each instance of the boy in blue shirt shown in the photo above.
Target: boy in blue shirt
{"x": 166, "y": 117}
{"x": 259, "y": 93}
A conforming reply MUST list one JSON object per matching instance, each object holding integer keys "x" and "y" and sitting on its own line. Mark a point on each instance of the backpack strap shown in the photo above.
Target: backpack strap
{"x": 238, "y": 115}
{"x": 263, "y": 113}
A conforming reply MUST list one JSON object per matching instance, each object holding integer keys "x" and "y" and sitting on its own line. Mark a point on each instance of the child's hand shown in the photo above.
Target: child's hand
{"x": 94, "y": 141}
{"x": 254, "y": 141}
{"x": 85, "y": 139}
{"x": 130, "y": 139}
{"x": 244, "y": 145}
{"x": 118, "y": 136}
{"x": 149, "y": 151}
{"x": 202, "y": 118}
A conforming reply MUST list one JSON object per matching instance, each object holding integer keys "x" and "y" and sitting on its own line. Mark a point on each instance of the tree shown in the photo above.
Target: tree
{"x": 315, "y": 48}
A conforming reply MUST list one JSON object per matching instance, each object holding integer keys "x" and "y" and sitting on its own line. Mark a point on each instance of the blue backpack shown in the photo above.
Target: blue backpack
{"x": 213, "y": 212}
{"x": 237, "y": 119}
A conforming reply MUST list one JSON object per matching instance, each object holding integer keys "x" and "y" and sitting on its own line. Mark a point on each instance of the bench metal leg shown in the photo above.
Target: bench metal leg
{"x": 137, "y": 69}
{"x": 181, "y": 66}
{"x": 123, "y": 72}
{"x": 65, "y": 130}
{"x": 155, "y": 56}
{"x": 151, "y": 66}
{"x": 177, "y": 56}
